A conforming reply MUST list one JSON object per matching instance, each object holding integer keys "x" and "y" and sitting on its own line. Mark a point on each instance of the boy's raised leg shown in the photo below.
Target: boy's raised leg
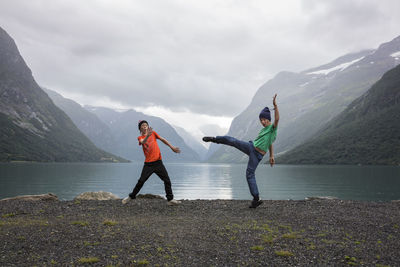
{"x": 230, "y": 141}
{"x": 209, "y": 139}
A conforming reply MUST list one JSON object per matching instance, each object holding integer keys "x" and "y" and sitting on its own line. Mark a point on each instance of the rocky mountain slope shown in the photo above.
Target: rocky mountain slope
{"x": 366, "y": 132}
{"x": 32, "y": 127}
{"x": 95, "y": 129}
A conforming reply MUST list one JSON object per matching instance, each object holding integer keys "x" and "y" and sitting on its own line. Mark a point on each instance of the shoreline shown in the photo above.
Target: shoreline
{"x": 102, "y": 195}
{"x": 203, "y": 162}
{"x": 200, "y": 233}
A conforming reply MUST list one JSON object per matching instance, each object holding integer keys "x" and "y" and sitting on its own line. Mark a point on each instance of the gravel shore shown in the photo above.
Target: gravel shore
{"x": 199, "y": 233}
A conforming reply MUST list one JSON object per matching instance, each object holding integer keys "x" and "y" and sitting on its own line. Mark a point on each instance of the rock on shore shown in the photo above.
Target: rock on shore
{"x": 100, "y": 195}
{"x": 46, "y": 197}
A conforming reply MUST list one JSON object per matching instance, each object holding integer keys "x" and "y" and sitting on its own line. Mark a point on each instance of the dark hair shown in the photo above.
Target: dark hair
{"x": 141, "y": 122}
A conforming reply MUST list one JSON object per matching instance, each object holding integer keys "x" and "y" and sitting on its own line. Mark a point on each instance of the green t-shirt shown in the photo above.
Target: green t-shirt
{"x": 265, "y": 138}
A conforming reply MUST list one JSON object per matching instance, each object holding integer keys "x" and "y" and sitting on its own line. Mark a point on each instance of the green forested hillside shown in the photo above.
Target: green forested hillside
{"x": 367, "y": 132}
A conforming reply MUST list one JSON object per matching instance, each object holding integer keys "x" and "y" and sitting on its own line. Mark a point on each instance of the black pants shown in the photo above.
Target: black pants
{"x": 158, "y": 168}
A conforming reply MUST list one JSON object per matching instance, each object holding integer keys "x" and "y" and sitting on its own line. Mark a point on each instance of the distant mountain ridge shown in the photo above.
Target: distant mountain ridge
{"x": 366, "y": 132}
{"x": 192, "y": 142}
{"x": 116, "y": 131}
{"x": 309, "y": 99}
{"x": 32, "y": 127}
{"x": 94, "y": 128}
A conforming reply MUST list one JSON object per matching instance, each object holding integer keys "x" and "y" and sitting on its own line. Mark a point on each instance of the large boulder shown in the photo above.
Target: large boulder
{"x": 100, "y": 195}
{"x": 45, "y": 197}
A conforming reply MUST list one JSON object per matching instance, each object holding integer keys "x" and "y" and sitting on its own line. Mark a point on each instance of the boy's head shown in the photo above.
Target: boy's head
{"x": 144, "y": 124}
{"x": 265, "y": 116}
{"x": 265, "y": 113}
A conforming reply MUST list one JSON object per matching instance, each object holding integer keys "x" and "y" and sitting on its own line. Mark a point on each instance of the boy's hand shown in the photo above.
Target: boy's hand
{"x": 272, "y": 161}
{"x": 149, "y": 131}
{"x": 176, "y": 149}
{"x": 274, "y": 101}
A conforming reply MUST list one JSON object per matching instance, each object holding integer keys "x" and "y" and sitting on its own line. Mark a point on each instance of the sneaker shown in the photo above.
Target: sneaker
{"x": 255, "y": 203}
{"x": 126, "y": 200}
{"x": 209, "y": 139}
{"x": 173, "y": 202}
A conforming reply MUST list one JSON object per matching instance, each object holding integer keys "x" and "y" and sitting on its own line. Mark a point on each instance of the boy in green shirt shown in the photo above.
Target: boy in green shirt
{"x": 255, "y": 150}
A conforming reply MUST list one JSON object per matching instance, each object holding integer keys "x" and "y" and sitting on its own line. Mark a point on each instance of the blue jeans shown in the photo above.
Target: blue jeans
{"x": 254, "y": 158}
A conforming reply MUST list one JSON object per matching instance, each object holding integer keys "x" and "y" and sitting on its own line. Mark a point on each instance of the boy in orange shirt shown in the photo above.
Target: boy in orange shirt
{"x": 153, "y": 162}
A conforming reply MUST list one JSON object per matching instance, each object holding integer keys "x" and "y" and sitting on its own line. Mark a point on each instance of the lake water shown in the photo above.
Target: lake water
{"x": 203, "y": 181}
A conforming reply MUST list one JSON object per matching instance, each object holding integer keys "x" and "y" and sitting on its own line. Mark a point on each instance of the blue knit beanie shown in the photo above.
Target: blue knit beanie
{"x": 265, "y": 113}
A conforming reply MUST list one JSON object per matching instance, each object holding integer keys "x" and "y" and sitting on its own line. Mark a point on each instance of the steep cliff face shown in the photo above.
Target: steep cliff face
{"x": 32, "y": 127}
{"x": 366, "y": 132}
{"x": 88, "y": 123}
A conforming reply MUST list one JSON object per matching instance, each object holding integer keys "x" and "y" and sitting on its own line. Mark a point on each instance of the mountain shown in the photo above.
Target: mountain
{"x": 32, "y": 127}
{"x": 366, "y": 132}
{"x": 112, "y": 130}
{"x": 309, "y": 99}
{"x": 124, "y": 128}
{"x": 95, "y": 129}
{"x": 192, "y": 142}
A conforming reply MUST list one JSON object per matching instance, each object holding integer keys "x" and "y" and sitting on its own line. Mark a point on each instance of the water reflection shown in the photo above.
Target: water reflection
{"x": 344, "y": 182}
{"x": 203, "y": 181}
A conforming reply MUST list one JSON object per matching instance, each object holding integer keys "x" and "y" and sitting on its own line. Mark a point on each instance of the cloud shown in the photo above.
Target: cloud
{"x": 213, "y": 130}
{"x": 206, "y": 57}
{"x": 197, "y": 125}
{"x": 352, "y": 25}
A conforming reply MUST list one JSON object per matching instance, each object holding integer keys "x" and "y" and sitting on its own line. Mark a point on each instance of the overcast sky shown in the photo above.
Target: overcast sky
{"x": 194, "y": 63}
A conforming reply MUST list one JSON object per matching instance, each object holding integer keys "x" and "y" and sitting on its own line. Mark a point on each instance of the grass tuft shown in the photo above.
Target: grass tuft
{"x": 80, "y": 223}
{"x": 267, "y": 238}
{"x": 8, "y": 215}
{"x": 257, "y": 248}
{"x": 89, "y": 260}
{"x": 87, "y": 243}
{"x": 284, "y": 253}
{"x": 291, "y": 235}
{"x": 350, "y": 260}
{"x": 143, "y": 262}
{"x": 109, "y": 223}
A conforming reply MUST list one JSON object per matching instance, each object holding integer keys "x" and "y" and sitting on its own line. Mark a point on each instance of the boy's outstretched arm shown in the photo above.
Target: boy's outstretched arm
{"x": 173, "y": 148}
{"x": 271, "y": 156}
{"x": 276, "y": 112}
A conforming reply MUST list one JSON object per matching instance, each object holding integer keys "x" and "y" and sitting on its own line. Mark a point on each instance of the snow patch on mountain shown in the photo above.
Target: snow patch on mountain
{"x": 396, "y": 55}
{"x": 304, "y": 84}
{"x": 340, "y": 67}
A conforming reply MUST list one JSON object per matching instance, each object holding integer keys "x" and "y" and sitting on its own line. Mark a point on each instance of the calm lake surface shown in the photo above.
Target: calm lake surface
{"x": 203, "y": 181}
